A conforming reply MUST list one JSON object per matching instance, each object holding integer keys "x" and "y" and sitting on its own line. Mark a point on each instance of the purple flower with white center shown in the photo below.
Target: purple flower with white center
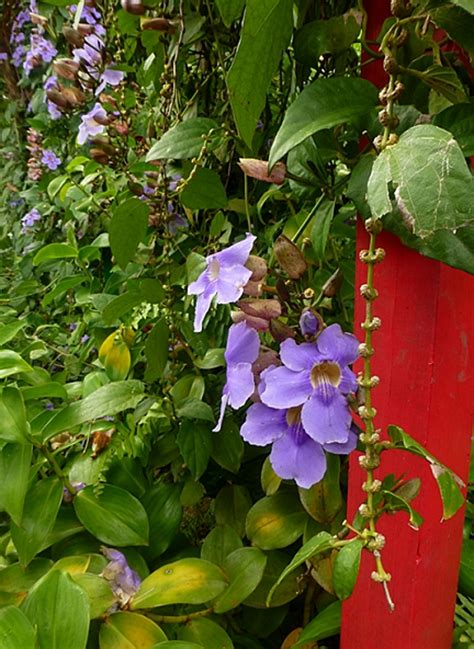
{"x": 123, "y": 581}
{"x": 109, "y": 77}
{"x": 316, "y": 376}
{"x": 224, "y": 278}
{"x": 29, "y": 220}
{"x": 89, "y": 126}
{"x": 50, "y": 160}
{"x": 294, "y": 455}
{"x": 243, "y": 346}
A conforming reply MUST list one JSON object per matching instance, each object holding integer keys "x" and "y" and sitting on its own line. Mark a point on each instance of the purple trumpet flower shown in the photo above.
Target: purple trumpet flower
{"x": 316, "y": 376}
{"x": 89, "y": 126}
{"x": 123, "y": 581}
{"x": 243, "y": 346}
{"x": 294, "y": 455}
{"x": 224, "y": 278}
{"x": 29, "y": 220}
{"x": 50, "y": 160}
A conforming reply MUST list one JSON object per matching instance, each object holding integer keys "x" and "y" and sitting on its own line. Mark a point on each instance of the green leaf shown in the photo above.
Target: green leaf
{"x": 113, "y": 515}
{"x": 16, "y": 578}
{"x": 231, "y": 507}
{"x": 269, "y": 479}
{"x": 127, "y": 229}
{"x": 15, "y": 460}
{"x": 191, "y": 408}
{"x": 244, "y": 568}
{"x": 220, "y": 542}
{"x": 40, "y": 510}
{"x": 275, "y": 521}
{"x": 59, "y": 610}
{"x": 107, "y": 400}
{"x": 395, "y": 502}
{"x": 52, "y": 389}
{"x": 14, "y": 425}
{"x": 54, "y": 251}
{"x": 150, "y": 290}
{"x": 346, "y": 568}
{"x": 319, "y": 543}
{"x": 320, "y": 228}
{"x": 330, "y": 36}
{"x": 187, "y": 581}
{"x": 12, "y": 363}
{"x": 466, "y": 569}
{"x": 185, "y": 140}
{"x": 213, "y": 358}
{"x": 61, "y": 287}
{"x": 265, "y": 34}
{"x": 195, "y": 443}
{"x": 163, "y": 507}
{"x": 326, "y": 624}
{"x": 433, "y": 185}
{"x": 204, "y": 191}
{"x": 130, "y": 631}
{"x": 459, "y": 120}
{"x": 206, "y": 633}
{"x": 289, "y": 587}
{"x": 323, "y": 104}
{"x": 459, "y": 24}
{"x": 323, "y": 501}
{"x": 228, "y": 446}
{"x": 99, "y": 593}
{"x": 156, "y": 350}
{"x": 230, "y": 10}
{"x": 10, "y": 330}
{"x": 16, "y": 630}
{"x": 444, "y": 81}
{"x": 178, "y": 644}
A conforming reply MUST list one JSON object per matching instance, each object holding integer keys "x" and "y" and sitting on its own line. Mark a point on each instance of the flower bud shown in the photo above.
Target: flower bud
{"x": 74, "y": 96}
{"x": 280, "y": 331}
{"x": 289, "y": 257}
{"x": 158, "y": 24}
{"x": 134, "y": 7}
{"x": 73, "y": 36}
{"x": 66, "y": 68}
{"x": 258, "y": 266}
{"x": 104, "y": 144}
{"x": 57, "y": 98}
{"x": 310, "y": 323}
{"x": 253, "y": 288}
{"x": 266, "y": 309}
{"x": 99, "y": 155}
{"x": 259, "y": 324}
{"x": 259, "y": 169}
{"x": 85, "y": 29}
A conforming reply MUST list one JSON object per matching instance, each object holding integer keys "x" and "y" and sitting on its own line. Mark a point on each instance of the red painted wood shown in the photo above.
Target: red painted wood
{"x": 424, "y": 358}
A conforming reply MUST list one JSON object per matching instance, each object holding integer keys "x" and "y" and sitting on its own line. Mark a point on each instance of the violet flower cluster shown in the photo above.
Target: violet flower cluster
{"x": 38, "y": 50}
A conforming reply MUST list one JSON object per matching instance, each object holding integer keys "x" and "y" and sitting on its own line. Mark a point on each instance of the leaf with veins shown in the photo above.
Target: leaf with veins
{"x": 427, "y": 177}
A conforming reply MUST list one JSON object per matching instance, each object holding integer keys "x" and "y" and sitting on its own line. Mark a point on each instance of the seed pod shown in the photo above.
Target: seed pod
{"x": 289, "y": 257}
{"x": 135, "y": 188}
{"x": 258, "y": 266}
{"x": 104, "y": 144}
{"x": 158, "y": 24}
{"x": 390, "y": 65}
{"x": 253, "y": 288}
{"x": 74, "y": 96}
{"x": 66, "y": 68}
{"x": 134, "y": 7}
{"x": 73, "y": 36}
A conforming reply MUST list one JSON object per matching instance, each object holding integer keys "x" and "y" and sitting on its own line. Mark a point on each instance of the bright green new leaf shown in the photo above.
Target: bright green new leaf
{"x": 185, "y": 140}
{"x": 12, "y": 363}
{"x": 127, "y": 229}
{"x": 346, "y": 568}
{"x": 275, "y": 521}
{"x": 395, "y": 502}
{"x": 323, "y": 104}
{"x": 15, "y": 460}
{"x": 59, "y": 610}
{"x": 178, "y": 644}
{"x": 16, "y": 631}
{"x": 129, "y": 631}
{"x": 244, "y": 568}
{"x": 265, "y": 34}
{"x": 113, "y": 515}
{"x": 54, "y": 251}
{"x": 321, "y": 226}
{"x": 16, "y": 578}
{"x": 187, "y": 581}
{"x": 99, "y": 593}
{"x": 10, "y": 330}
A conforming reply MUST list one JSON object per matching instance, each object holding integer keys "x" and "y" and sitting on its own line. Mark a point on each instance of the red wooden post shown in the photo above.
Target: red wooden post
{"x": 424, "y": 358}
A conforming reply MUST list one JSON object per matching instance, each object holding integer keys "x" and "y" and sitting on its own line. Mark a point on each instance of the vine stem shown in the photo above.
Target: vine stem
{"x": 180, "y": 619}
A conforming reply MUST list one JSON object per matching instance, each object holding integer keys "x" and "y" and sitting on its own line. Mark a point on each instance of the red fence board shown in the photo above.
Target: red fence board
{"x": 424, "y": 358}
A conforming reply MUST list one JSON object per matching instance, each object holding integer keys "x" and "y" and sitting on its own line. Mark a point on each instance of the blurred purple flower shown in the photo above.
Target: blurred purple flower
{"x": 68, "y": 496}
{"x": 89, "y": 126}
{"x": 123, "y": 581}
{"x": 41, "y": 51}
{"x": 3, "y": 56}
{"x": 53, "y": 110}
{"x": 173, "y": 184}
{"x": 224, "y": 278}
{"x": 85, "y": 338}
{"x": 109, "y": 77}
{"x": 294, "y": 455}
{"x": 30, "y": 219}
{"x": 176, "y": 222}
{"x": 243, "y": 346}
{"x": 50, "y": 160}
{"x": 72, "y": 326}
{"x": 91, "y": 51}
{"x": 316, "y": 376}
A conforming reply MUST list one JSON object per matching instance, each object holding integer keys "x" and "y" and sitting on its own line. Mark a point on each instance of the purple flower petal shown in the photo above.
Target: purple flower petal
{"x": 326, "y": 416}
{"x": 299, "y": 357}
{"x": 348, "y": 381}
{"x": 263, "y": 425}
{"x": 284, "y": 388}
{"x": 336, "y": 345}
{"x": 344, "y": 448}
{"x": 203, "y": 304}
{"x": 238, "y": 253}
{"x": 229, "y": 286}
{"x": 243, "y": 344}
{"x": 298, "y": 457}
{"x": 240, "y": 384}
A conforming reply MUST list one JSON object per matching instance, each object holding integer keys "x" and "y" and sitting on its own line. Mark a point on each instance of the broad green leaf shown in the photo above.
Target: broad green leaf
{"x": 40, "y": 510}
{"x": 269, "y": 479}
{"x": 320, "y": 228}
{"x": 54, "y": 251}
{"x": 244, "y": 568}
{"x": 127, "y": 229}
{"x": 126, "y": 630}
{"x": 220, "y": 542}
{"x": 319, "y": 543}
{"x": 156, "y": 350}
{"x": 459, "y": 24}
{"x": 185, "y": 140}
{"x": 10, "y": 330}
{"x": 275, "y": 521}
{"x": 330, "y": 36}
{"x": 459, "y": 120}
{"x": 99, "y": 594}
{"x": 61, "y": 287}
{"x": 395, "y": 502}
{"x": 149, "y": 290}
{"x": 195, "y": 443}
{"x": 107, "y": 400}
{"x": 178, "y": 644}
{"x": 323, "y": 104}
{"x": 16, "y": 631}
{"x": 15, "y": 460}
{"x": 432, "y": 183}
{"x": 59, "y": 609}
{"x": 204, "y": 191}
{"x": 206, "y": 633}
{"x": 187, "y": 581}
{"x": 163, "y": 507}
{"x": 231, "y": 507}
{"x": 444, "y": 81}
{"x": 288, "y": 588}
{"x": 346, "y": 568}
{"x": 326, "y": 624}
{"x": 323, "y": 501}
{"x": 212, "y": 358}
{"x": 265, "y": 34}
{"x": 16, "y": 578}
{"x": 113, "y": 515}
{"x": 230, "y": 10}
{"x": 52, "y": 389}
{"x": 12, "y": 363}
{"x": 13, "y": 423}
{"x": 191, "y": 408}
{"x": 228, "y": 446}
{"x": 127, "y": 473}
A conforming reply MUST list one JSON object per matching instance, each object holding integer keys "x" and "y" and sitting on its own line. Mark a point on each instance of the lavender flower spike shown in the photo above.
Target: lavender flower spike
{"x": 243, "y": 346}
{"x": 224, "y": 277}
{"x": 89, "y": 126}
